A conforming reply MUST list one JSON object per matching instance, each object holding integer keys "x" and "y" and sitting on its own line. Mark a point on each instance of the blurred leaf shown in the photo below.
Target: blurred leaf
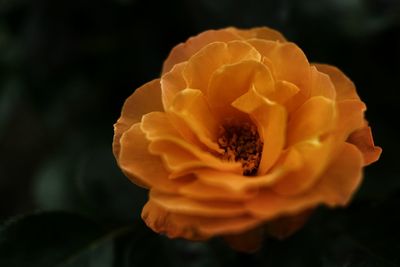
{"x": 56, "y": 239}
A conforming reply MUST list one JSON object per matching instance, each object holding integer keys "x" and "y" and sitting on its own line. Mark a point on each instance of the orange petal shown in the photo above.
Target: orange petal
{"x": 231, "y": 81}
{"x": 270, "y": 119}
{"x": 259, "y": 33}
{"x": 284, "y": 90}
{"x": 314, "y": 118}
{"x": 140, "y": 166}
{"x": 172, "y": 83}
{"x": 193, "y": 227}
{"x": 192, "y": 109}
{"x": 350, "y": 118}
{"x": 145, "y": 99}
{"x": 288, "y": 162}
{"x": 187, "y": 206}
{"x": 363, "y": 140}
{"x": 289, "y": 62}
{"x": 201, "y": 191}
{"x": 316, "y": 155}
{"x": 321, "y": 84}
{"x": 335, "y": 188}
{"x": 184, "y": 51}
{"x": 202, "y": 65}
{"x": 345, "y": 88}
{"x": 178, "y": 154}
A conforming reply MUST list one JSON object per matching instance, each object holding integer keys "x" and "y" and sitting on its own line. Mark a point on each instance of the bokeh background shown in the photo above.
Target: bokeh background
{"x": 67, "y": 66}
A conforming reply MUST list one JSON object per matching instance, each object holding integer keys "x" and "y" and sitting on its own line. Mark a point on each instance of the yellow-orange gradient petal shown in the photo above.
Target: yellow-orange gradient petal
{"x": 345, "y": 88}
{"x": 314, "y": 118}
{"x": 184, "y": 51}
{"x": 321, "y": 84}
{"x": 145, "y": 99}
{"x": 193, "y": 227}
{"x": 202, "y": 65}
{"x": 192, "y": 109}
{"x": 140, "y": 166}
{"x": 335, "y": 188}
{"x": 363, "y": 140}
{"x": 231, "y": 81}
{"x": 288, "y": 61}
{"x": 316, "y": 155}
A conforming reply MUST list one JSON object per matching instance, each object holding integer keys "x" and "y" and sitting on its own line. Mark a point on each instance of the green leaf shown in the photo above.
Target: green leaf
{"x": 56, "y": 239}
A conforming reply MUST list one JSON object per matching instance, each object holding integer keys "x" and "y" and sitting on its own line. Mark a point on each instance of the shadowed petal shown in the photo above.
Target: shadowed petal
{"x": 363, "y": 140}
{"x": 145, "y": 99}
{"x": 335, "y": 188}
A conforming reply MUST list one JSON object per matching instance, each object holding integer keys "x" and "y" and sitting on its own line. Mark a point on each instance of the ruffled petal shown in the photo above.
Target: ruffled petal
{"x": 316, "y": 155}
{"x": 345, "y": 88}
{"x": 193, "y": 227}
{"x": 179, "y": 155}
{"x": 172, "y": 83}
{"x": 201, "y": 191}
{"x": 202, "y": 65}
{"x": 314, "y": 118}
{"x": 140, "y": 166}
{"x": 264, "y": 33}
{"x": 288, "y": 61}
{"x": 335, "y": 188}
{"x": 363, "y": 140}
{"x": 145, "y": 99}
{"x": 183, "y": 51}
{"x": 231, "y": 81}
{"x": 350, "y": 118}
{"x": 270, "y": 119}
{"x": 191, "y": 108}
{"x": 321, "y": 84}
{"x": 183, "y": 205}
{"x": 289, "y": 161}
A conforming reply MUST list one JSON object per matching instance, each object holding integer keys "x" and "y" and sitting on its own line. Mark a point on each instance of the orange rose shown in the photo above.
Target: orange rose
{"x": 242, "y": 136}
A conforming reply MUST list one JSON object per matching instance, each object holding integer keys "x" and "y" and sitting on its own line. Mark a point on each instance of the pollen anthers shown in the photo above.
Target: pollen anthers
{"x": 242, "y": 143}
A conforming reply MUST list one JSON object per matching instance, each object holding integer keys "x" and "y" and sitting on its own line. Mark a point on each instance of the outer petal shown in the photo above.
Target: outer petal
{"x": 264, "y": 33}
{"x": 145, "y": 99}
{"x": 184, "y": 51}
{"x": 316, "y": 155}
{"x": 321, "y": 84}
{"x": 202, "y": 65}
{"x": 336, "y": 188}
{"x": 345, "y": 88}
{"x": 193, "y": 227}
{"x": 172, "y": 83}
{"x": 314, "y": 118}
{"x": 362, "y": 139}
{"x": 140, "y": 166}
{"x": 187, "y": 206}
{"x": 201, "y": 191}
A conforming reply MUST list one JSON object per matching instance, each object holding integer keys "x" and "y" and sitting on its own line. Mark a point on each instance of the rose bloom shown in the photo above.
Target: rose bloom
{"x": 242, "y": 137}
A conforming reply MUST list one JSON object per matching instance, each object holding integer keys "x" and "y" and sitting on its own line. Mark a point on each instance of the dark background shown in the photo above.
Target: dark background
{"x": 67, "y": 66}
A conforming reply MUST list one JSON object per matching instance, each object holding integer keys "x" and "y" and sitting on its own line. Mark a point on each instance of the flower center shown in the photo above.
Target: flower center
{"x": 241, "y": 143}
